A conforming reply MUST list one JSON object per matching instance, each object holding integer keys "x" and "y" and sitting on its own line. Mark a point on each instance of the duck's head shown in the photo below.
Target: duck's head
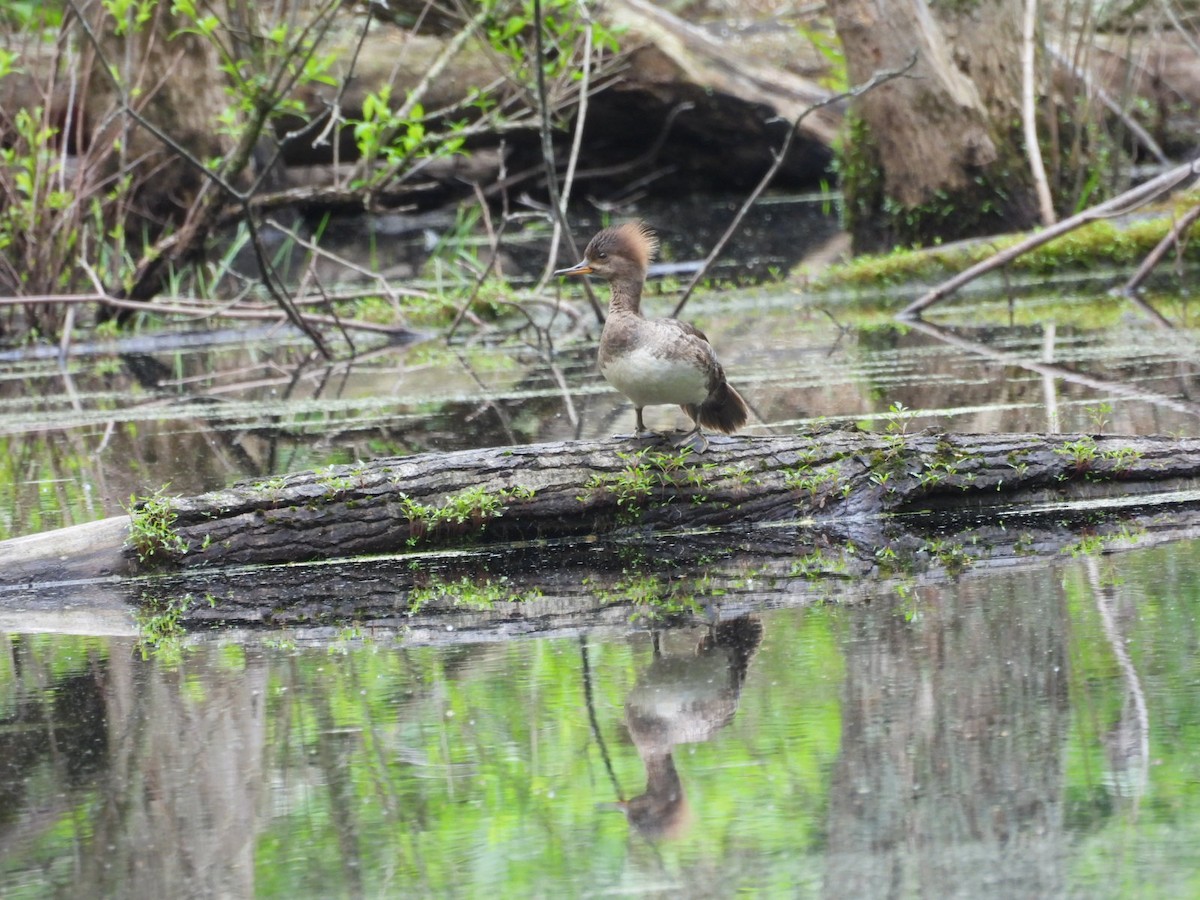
{"x": 617, "y": 253}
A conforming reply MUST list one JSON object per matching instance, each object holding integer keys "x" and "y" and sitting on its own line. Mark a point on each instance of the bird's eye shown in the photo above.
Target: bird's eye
{"x": 602, "y": 255}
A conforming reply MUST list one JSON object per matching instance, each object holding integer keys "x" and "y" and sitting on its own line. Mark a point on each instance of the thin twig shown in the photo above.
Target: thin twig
{"x": 780, "y": 156}
{"x": 318, "y": 250}
{"x": 482, "y": 276}
{"x": 559, "y": 213}
{"x": 1155, "y": 256}
{"x": 572, "y": 160}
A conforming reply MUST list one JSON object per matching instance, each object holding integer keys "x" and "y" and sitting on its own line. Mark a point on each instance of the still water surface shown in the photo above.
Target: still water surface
{"x": 1024, "y": 732}
{"x": 1025, "y": 735}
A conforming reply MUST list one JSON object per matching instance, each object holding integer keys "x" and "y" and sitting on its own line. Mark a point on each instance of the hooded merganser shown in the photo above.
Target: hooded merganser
{"x": 655, "y": 361}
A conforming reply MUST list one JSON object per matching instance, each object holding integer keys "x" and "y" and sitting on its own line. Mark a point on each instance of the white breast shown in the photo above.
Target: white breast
{"x": 650, "y": 380}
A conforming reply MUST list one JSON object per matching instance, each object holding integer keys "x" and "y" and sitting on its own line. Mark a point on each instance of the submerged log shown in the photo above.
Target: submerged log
{"x": 831, "y": 481}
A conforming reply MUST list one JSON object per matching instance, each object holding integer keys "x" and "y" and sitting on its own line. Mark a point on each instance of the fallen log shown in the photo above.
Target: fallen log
{"x": 551, "y": 491}
{"x": 607, "y": 584}
{"x": 568, "y": 538}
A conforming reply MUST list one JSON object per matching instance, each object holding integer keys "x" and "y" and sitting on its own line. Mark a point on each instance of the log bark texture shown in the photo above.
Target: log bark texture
{"x": 544, "y": 491}
{"x": 575, "y": 536}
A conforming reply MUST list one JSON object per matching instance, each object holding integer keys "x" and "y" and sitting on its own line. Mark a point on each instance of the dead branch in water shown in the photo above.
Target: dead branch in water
{"x": 1132, "y": 198}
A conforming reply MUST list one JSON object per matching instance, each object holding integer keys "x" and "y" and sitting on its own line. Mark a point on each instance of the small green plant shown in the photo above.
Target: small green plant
{"x": 1082, "y": 452}
{"x": 812, "y": 484}
{"x": 152, "y": 532}
{"x": 1121, "y": 457}
{"x": 471, "y": 507}
{"x": 1098, "y": 416}
{"x": 335, "y": 481}
{"x": 160, "y": 625}
{"x": 645, "y": 473}
{"x": 898, "y": 417}
{"x": 930, "y": 478}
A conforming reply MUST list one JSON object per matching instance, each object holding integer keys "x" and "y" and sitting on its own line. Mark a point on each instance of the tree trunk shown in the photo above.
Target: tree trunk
{"x": 925, "y": 159}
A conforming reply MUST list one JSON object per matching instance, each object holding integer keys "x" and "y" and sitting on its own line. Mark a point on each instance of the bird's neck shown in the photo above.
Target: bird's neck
{"x": 626, "y": 296}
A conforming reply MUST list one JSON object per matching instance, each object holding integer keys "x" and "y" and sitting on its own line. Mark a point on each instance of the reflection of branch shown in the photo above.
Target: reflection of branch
{"x": 1117, "y": 388}
{"x": 589, "y": 698}
{"x": 487, "y": 402}
{"x": 1132, "y": 759}
{"x": 1122, "y": 203}
{"x": 780, "y": 157}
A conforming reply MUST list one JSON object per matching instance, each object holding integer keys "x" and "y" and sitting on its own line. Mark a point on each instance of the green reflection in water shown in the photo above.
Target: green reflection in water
{"x": 985, "y": 734}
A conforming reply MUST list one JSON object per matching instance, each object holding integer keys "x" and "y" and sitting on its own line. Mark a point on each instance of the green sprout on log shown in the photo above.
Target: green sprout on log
{"x": 152, "y": 532}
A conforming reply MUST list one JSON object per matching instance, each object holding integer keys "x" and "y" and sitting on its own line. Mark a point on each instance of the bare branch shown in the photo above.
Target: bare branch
{"x": 1130, "y": 199}
{"x": 780, "y": 156}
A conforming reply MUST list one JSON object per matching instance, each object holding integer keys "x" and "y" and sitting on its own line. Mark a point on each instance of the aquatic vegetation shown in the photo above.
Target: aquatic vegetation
{"x": 160, "y": 625}
{"x": 473, "y": 507}
{"x": 466, "y": 592}
{"x": 152, "y": 532}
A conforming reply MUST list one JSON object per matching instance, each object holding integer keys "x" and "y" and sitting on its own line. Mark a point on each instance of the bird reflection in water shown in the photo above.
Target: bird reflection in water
{"x": 683, "y": 699}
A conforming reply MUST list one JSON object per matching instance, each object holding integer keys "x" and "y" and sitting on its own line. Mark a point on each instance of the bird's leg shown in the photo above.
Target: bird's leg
{"x": 642, "y": 433}
{"x": 642, "y": 430}
{"x": 694, "y": 438}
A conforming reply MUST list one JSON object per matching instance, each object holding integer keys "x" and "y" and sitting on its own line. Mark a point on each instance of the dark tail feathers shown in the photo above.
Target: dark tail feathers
{"x": 723, "y": 411}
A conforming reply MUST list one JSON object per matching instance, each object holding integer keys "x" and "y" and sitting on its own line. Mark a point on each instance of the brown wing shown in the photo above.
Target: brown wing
{"x": 686, "y": 328}
{"x": 699, "y": 343}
